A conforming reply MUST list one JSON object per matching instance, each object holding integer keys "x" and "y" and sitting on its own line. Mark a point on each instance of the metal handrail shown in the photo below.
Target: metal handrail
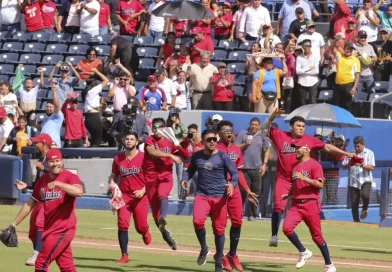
{"x": 375, "y": 100}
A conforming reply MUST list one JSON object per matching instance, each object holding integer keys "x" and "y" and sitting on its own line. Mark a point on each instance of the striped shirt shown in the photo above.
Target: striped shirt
{"x": 358, "y": 175}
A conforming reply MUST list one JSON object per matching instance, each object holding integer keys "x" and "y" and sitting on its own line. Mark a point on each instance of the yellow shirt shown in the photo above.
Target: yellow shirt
{"x": 24, "y": 138}
{"x": 346, "y": 68}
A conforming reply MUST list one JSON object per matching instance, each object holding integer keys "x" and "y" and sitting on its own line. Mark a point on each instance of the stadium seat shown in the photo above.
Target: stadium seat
{"x": 237, "y": 55}
{"x": 4, "y": 77}
{"x": 3, "y": 35}
{"x": 102, "y": 39}
{"x": 42, "y": 93}
{"x": 40, "y": 116}
{"x": 146, "y": 63}
{"x": 12, "y": 46}
{"x": 374, "y": 96}
{"x": 74, "y": 59}
{"x": 20, "y": 36}
{"x": 41, "y": 37}
{"x": 47, "y": 69}
{"x": 238, "y": 90}
{"x": 142, "y": 74}
{"x": 61, "y": 38}
{"x": 30, "y": 58}
{"x": 81, "y": 85}
{"x": 34, "y": 47}
{"x": 323, "y": 84}
{"x": 144, "y": 40}
{"x": 224, "y": 44}
{"x": 214, "y": 41}
{"x": 58, "y": 48}
{"x": 78, "y": 49}
{"x": 381, "y": 86}
{"x": 6, "y": 69}
{"x": 139, "y": 84}
{"x": 43, "y": 105}
{"x": 147, "y": 51}
{"x": 9, "y": 57}
{"x": 246, "y": 45}
{"x": 325, "y": 95}
{"x": 28, "y": 69}
{"x": 239, "y": 79}
{"x": 159, "y": 41}
{"x": 52, "y": 59}
{"x": 215, "y": 63}
{"x": 357, "y": 104}
{"x": 81, "y": 38}
{"x": 219, "y": 55}
{"x": 46, "y": 81}
{"x": 236, "y": 67}
{"x": 103, "y": 50}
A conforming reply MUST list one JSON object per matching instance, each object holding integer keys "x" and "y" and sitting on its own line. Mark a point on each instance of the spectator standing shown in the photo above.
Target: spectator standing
{"x": 298, "y": 26}
{"x": 267, "y": 35}
{"x": 339, "y": 18}
{"x": 182, "y": 28}
{"x": 367, "y": 20}
{"x": 85, "y": 67}
{"x": 289, "y": 53}
{"x": 89, "y": 17}
{"x": 251, "y": 66}
{"x": 8, "y": 99}
{"x": 28, "y": 94}
{"x": 6, "y": 127}
{"x": 385, "y": 17}
{"x": 351, "y": 33}
{"x": 75, "y": 130}
{"x": 156, "y": 25}
{"x": 307, "y": 69}
{"x": 113, "y": 14}
{"x": 167, "y": 85}
{"x": 382, "y": 47}
{"x": 123, "y": 49}
{"x": 182, "y": 92}
{"x": 167, "y": 49}
{"x": 10, "y": 16}
{"x": 235, "y": 26}
{"x": 121, "y": 91}
{"x": 33, "y": 18}
{"x": 20, "y": 136}
{"x": 223, "y": 22}
{"x": 128, "y": 13}
{"x": 105, "y": 23}
{"x": 255, "y": 150}
{"x": 202, "y": 43}
{"x": 151, "y": 97}
{"x": 316, "y": 39}
{"x": 223, "y": 81}
{"x": 66, "y": 83}
{"x": 200, "y": 75}
{"x": 253, "y": 17}
{"x": 178, "y": 62}
{"x": 49, "y": 15}
{"x": 204, "y": 24}
{"x": 348, "y": 69}
{"x": 143, "y": 25}
{"x": 287, "y": 16}
{"x": 69, "y": 18}
{"x": 360, "y": 178}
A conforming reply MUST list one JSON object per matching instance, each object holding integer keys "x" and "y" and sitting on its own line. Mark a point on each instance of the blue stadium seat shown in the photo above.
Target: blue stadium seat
{"x": 61, "y": 38}
{"x": 374, "y": 96}
{"x": 42, "y": 93}
{"x": 236, "y": 67}
{"x": 360, "y": 97}
{"x": 41, "y": 37}
{"x": 237, "y": 55}
{"x": 146, "y": 63}
{"x": 74, "y": 59}
{"x": 43, "y": 105}
{"x": 159, "y": 41}
{"x": 246, "y": 45}
{"x": 47, "y": 69}
{"x": 52, "y": 59}
{"x": 81, "y": 85}
{"x": 46, "y": 81}
{"x": 30, "y": 58}
{"x": 381, "y": 86}
{"x": 215, "y": 63}
{"x": 58, "y": 48}
{"x": 224, "y": 44}
{"x": 147, "y": 51}
{"x": 28, "y": 69}
{"x": 142, "y": 74}
{"x": 143, "y": 40}
{"x": 325, "y": 95}
{"x": 40, "y": 116}
{"x": 6, "y": 69}
{"x": 81, "y": 38}
{"x": 214, "y": 41}
{"x": 139, "y": 84}
{"x": 4, "y": 77}
{"x": 3, "y": 35}
{"x": 102, "y": 39}
{"x": 34, "y": 47}
{"x": 78, "y": 49}
{"x": 20, "y": 36}
{"x": 240, "y": 79}
{"x": 238, "y": 90}
{"x": 103, "y": 50}
{"x": 12, "y": 46}
{"x": 219, "y": 55}
{"x": 9, "y": 57}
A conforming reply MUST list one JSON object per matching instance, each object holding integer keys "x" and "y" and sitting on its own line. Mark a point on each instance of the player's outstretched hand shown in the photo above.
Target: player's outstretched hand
{"x": 252, "y": 197}
{"x": 176, "y": 159}
{"x": 284, "y": 197}
{"x": 230, "y": 189}
{"x": 184, "y": 184}
{"x": 20, "y": 185}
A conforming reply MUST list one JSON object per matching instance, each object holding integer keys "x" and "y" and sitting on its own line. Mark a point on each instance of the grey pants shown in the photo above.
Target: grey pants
{"x": 253, "y": 179}
{"x": 202, "y": 101}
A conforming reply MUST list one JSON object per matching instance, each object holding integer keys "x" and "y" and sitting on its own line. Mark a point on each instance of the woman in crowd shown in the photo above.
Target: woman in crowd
{"x": 368, "y": 21}
{"x": 91, "y": 103}
{"x": 85, "y": 67}
{"x": 290, "y": 61}
{"x": 223, "y": 94}
{"x": 250, "y": 69}
{"x": 8, "y": 99}
{"x": 182, "y": 87}
{"x": 223, "y": 22}
{"x": 68, "y": 19}
{"x": 20, "y": 136}
{"x": 167, "y": 49}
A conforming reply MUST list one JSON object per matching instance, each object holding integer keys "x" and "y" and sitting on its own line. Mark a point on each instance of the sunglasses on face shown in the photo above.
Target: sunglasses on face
{"x": 307, "y": 46}
{"x": 157, "y": 126}
{"x": 299, "y": 12}
{"x": 227, "y": 131}
{"x": 211, "y": 139}
{"x": 123, "y": 79}
{"x": 311, "y": 26}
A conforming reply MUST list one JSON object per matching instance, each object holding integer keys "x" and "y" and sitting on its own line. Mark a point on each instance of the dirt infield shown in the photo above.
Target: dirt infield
{"x": 262, "y": 256}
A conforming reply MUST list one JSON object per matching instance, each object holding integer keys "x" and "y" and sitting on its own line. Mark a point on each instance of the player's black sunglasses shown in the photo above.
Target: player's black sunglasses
{"x": 158, "y": 126}
{"x": 211, "y": 139}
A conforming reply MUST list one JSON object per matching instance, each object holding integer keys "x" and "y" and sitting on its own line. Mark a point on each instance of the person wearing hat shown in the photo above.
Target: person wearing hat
{"x": 267, "y": 38}
{"x": 382, "y": 47}
{"x": 6, "y": 127}
{"x": 151, "y": 97}
{"x": 368, "y": 57}
{"x": 223, "y": 95}
{"x": 348, "y": 70}
{"x": 351, "y": 33}
{"x": 223, "y": 22}
{"x": 385, "y": 16}
{"x": 253, "y": 17}
{"x": 66, "y": 83}
{"x": 316, "y": 39}
{"x": 339, "y": 17}
{"x": 201, "y": 43}
{"x": 298, "y": 26}
{"x": 20, "y": 136}
{"x": 167, "y": 85}
{"x": 367, "y": 20}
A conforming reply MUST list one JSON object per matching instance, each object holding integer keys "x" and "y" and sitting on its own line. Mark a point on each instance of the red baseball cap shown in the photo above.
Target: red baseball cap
{"x": 42, "y": 138}
{"x": 54, "y": 154}
{"x": 227, "y": 4}
{"x": 196, "y": 30}
{"x": 351, "y": 20}
{"x": 266, "y": 26}
{"x": 3, "y": 113}
{"x": 152, "y": 78}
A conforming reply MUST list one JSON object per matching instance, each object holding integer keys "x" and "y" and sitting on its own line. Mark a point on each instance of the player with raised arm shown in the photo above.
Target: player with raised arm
{"x": 308, "y": 180}
{"x": 127, "y": 172}
{"x": 212, "y": 192}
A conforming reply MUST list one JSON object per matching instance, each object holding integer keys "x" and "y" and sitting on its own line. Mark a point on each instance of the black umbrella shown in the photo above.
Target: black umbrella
{"x": 183, "y": 10}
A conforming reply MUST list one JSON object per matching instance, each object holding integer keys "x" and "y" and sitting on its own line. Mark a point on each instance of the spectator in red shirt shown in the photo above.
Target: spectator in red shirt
{"x": 105, "y": 24}
{"x": 75, "y": 129}
{"x": 223, "y": 95}
{"x": 204, "y": 24}
{"x": 351, "y": 33}
{"x": 223, "y": 22}
{"x": 128, "y": 13}
{"x": 182, "y": 28}
{"x": 49, "y": 16}
{"x": 33, "y": 18}
{"x": 85, "y": 67}
{"x": 167, "y": 49}
{"x": 339, "y": 17}
{"x": 202, "y": 43}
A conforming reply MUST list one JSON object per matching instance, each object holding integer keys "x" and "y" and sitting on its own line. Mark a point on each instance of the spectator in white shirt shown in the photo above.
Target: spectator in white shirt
{"x": 89, "y": 17}
{"x": 156, "y": 25}
{"x": 307, "y": 69}
{"x": 28, "y": 94}
{"x": 182, "y": 88}
{"x": 316, "y": 39}
{"x": 253, "y": 17}
{"x": 10, "y": 16}
{"x": 5, "y": 128}
{"x": 167, "y": 85}
{"x": 8, "y": 99}
{"x": 368, "y": 21}
{"x": 267, "y": 35}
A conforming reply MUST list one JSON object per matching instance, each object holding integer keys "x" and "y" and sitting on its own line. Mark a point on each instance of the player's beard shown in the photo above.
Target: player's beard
{"x": 129, "y": 149}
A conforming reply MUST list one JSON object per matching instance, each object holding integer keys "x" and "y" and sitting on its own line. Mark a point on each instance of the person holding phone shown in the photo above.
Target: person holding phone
{"x": 223, "y": 94}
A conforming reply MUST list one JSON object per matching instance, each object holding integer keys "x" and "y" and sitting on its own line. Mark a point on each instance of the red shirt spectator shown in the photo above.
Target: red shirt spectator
{"x": 182, "y": 28}
{"x": 339, "y": 18}
{"x": 222, "y": 83}
{"x": 220, "y": 27}
{"x": 48, "y": 10}
{"x": 127, "y": 14}
{"x": 206, "y": 27}
{"x": 104, "y": 12}
{"x": 33, "y": 17}
{"x": 201, "y": 43}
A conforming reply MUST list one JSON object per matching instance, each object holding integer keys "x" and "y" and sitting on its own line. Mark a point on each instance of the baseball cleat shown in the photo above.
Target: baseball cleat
{"x": 274, "y": 241}
{"x": 234, "y": 262}
{"x": 162, "y": 223}
{"x": 124, "y": 259}
{"x": 364, "y": 214}
{"x": 170, "y": 241}
{"x": 147, "y": 238}
{"x": 31, "y": 260}
{"x": 303, "y": 256}
{"x": 218, "y": 268}
{"x": 329, "y": 268}
{"x": 226, "y": 264}
{"x": 202, "y": 259}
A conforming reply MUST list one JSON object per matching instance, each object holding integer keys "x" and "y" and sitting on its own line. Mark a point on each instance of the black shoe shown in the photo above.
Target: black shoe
{"x": 162, "y": 223}
{"x": 202, "y": 259}
{"x": 218, "y": 268}
{"x": 170, "y": 241}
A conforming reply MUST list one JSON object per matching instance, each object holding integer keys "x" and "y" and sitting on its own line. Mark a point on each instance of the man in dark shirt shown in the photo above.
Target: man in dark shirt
{"x": 382, "y": 47}
{"x": 124, "y": 50}
{"x": 298, "y": 26}
{"x": 113, "y": 15}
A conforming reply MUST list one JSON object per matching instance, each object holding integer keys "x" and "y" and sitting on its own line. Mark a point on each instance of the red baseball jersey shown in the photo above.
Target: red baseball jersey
{"x": 286, "y": 154}
{"x": 190, "y": 148}
{"x": 33, "y": 17}
{"x": 59, "y": 207}
{"x": 48, "y": 9}
{"x": 311, "y": 169}
{"x": 158, "y": 165}
{"x": 125, "y": 10}
{"x": 180, "y": 26}
{"x": 129, "y": 171}
{"x": 206, "y": 28}
{"x": 234, "y": 153}
{"x": 104, "y": 12}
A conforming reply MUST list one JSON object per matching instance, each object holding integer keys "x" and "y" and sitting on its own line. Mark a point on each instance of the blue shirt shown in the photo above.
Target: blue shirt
{"x": 287, "y": 14}
{"x": 212, "y": 173}
{"x": 269, "y": 80}
{"x": 386, "y": 21}
{"x": 52, "y": 125}
{"x": 154, "y": 99}
{"x": 65, "y": 88}
{"x": 277, "y": 64}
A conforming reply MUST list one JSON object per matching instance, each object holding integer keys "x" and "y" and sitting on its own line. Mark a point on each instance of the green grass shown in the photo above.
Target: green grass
{"x": 359, "y": 242}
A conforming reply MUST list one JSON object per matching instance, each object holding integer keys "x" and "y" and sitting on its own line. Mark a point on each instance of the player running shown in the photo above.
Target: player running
{"x": 286, "y": 158}
{"x": 127, "y": 172}
{"x": 212, "y": 190}
{"x": 308, "y": 180}
{"x": 57, "y": 190}
{"x": 234, "y": 203}
{"x": 158, "y": 175}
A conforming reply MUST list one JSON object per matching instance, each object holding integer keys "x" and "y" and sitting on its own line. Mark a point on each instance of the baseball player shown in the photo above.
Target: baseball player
{"x": 212, "y": 190}
{"x": 127, "y": 172}
{"x": 286, "y": 158}
{"x": 57, "y": 190}
{"x": 158, "y": 176}
{"x": 308, "y": 180}
{"x": 42, "y": 143}
{"x": 234, "y": 203}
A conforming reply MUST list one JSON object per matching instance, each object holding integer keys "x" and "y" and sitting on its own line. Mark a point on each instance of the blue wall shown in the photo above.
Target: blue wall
{"x": 377, "y": 133}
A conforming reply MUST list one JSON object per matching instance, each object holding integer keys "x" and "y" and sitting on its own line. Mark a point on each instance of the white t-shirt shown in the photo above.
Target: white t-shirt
{"x": 28, "y": 99}
{"x": 316, "y": 39}
{"x": 156, "y": 23}
{"x": 92, "y": 98}
{"x": 5, "y": 130}
{"x": 8, "y": 101}
{"x": 182, "y": 94}
{"x": 364, "y": 24}
{"x": 168, "y": 86}
{"x": 90, "y": 22}
{"x": 252, "y": 19}
{"x": 275, "y": 40}
{"x": 9, "y": 12}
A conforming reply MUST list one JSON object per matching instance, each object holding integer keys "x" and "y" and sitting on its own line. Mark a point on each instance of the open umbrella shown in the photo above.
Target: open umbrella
{"x": 325, "y": 115}
{"x": 183, "y": 10}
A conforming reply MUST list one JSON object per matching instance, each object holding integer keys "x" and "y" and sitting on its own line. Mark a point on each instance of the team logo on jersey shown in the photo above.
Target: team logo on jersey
{"x": 50, "y": 195}
{"x": 306, "y": 174}
{"x": 152, "y": 100}
{"x": 287, "y": 149}
{"x": 233, "y": 156}
{"x": 126, "y": 172}
{"x": 208, "y": 166}
{"x": 165, "y": 149}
